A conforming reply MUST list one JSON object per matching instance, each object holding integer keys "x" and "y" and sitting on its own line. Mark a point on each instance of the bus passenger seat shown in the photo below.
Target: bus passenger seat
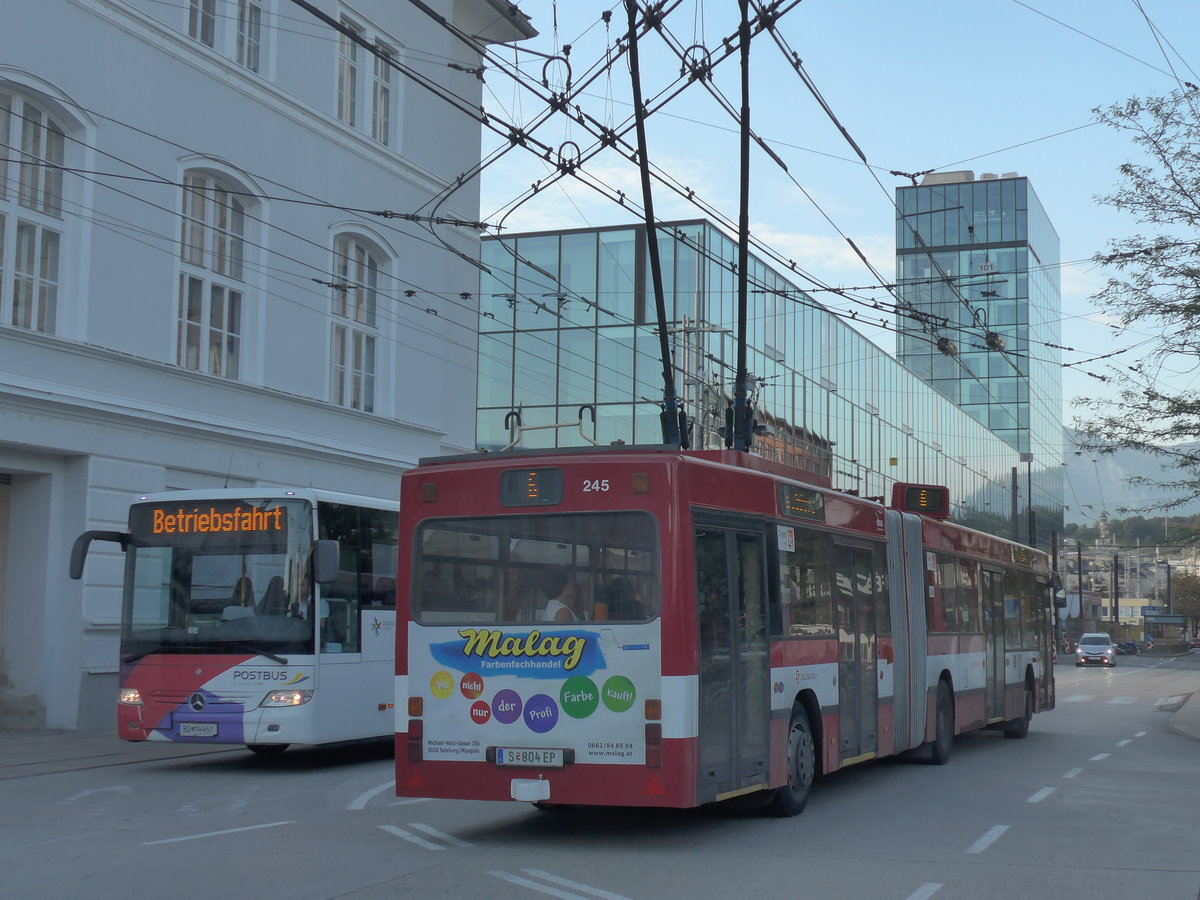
{"x": 274, "y": 601}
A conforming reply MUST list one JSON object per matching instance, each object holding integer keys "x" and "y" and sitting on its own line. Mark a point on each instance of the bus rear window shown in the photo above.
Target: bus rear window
{"x": 537, "y": 568}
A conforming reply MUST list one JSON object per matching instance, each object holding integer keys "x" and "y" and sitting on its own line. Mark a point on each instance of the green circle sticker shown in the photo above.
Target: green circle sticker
{"x": 579, "y": 697}
{"x": 619, "y": 693}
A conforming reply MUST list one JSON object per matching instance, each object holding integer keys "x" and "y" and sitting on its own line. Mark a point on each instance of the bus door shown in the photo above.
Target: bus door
{"x": 993, "y": 623}
{"x": 858, "y": 685}
{"x": 735, "y": 669}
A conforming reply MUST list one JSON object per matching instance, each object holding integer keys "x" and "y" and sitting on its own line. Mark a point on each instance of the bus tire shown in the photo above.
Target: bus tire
{"x": 267, "y": 749}
{"x": 1018, "y": 728}
{"x": 943, "y": 735}
{"x": 790, "y": 799}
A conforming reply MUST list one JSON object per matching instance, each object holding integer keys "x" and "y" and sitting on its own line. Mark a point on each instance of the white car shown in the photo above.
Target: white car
{"x": 1095, "y": 649}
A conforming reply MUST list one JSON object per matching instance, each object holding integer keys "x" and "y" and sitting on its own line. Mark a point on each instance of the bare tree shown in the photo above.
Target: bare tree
{"x": 1155, "y": 284}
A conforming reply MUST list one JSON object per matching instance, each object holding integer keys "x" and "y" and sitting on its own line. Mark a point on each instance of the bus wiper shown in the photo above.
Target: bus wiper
{"x": 246, "y": 645}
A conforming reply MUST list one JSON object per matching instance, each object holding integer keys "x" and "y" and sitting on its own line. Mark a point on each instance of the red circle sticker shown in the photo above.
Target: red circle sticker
{"x": 480, "y": 712}
{"x": 471, "y": 685}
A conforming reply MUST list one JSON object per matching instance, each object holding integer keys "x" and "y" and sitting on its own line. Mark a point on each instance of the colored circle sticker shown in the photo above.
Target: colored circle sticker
{"x": 541, "y": 713}
{"x": 441, "y": 684}
{"x": 471, "y": 685}
{"x": 579, "y": 697}
{"x": 506, "y": 706}
{"x": 480, "y": 712}
{"x": 619, "y": 693}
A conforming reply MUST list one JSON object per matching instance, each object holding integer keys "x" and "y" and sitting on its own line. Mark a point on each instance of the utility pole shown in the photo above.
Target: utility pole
{"x": 739, "y": 427}
{"x": 1116, "y": 584}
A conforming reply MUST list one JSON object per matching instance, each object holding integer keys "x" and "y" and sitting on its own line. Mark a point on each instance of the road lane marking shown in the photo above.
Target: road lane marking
{"x": 554, "y": 891}
{"x": 116, "y": 789}
{"x": 412, "y": 838}
{"x": 1140, "y": 734}
{"x": 361, "y": 801}
{"x": 1125, "y": 700}
{"x": 1100, "y": 756}
{"x": 925, "y": 891}
{"x": 988, "y": 839}
{"x": 1167, "y": 701}
{"x": 1078, "y": 698}
{"x": 1071, "y": 773}
{"x": 196, "y": 837}
{"x": 1040, "y": 795}
{"x": 409, "y": 800}
{"x": 573, "y": 885}
{"x": 1124, "y": 742}
{"x": 448, "y": 838}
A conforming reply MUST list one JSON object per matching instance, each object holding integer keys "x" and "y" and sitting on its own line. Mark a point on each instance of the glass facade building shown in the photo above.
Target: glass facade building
{"x": 977, "y": 266}
{"x": 568, "y": 321}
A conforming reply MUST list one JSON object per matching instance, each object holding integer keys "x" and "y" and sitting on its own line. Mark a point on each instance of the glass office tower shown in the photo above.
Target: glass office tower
{"x": 977, "y": 267}
{"x": 568, "y": 326}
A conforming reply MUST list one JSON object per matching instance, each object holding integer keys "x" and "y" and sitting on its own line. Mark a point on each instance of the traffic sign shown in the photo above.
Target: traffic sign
{"x": 1149, "y": 610}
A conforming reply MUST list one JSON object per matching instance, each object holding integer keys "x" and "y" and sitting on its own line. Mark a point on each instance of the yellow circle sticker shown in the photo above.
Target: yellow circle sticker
{"x": 441, "y": 684}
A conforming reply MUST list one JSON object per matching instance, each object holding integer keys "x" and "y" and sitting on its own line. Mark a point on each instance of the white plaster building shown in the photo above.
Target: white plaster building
{"x": 171, "y": 317}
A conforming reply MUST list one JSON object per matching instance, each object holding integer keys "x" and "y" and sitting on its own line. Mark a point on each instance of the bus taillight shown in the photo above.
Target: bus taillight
{"x": 415, "y": 733}
{"x": 654, "y": 752}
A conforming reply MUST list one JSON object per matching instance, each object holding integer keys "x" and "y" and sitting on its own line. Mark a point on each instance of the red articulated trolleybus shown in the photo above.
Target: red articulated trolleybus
{"x": 646, "y": 626}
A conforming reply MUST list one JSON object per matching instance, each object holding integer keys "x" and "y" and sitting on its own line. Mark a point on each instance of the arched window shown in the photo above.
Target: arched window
{"x": 211, "y": 286}
{"x": 32, "y": 147}
{"x": 352, "y": 338}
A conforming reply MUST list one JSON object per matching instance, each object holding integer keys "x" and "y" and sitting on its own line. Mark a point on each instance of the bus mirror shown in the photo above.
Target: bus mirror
{"x": 80, "y": 548}
{"x": 326, "y": 556}
{"x": 1060, "y": 599}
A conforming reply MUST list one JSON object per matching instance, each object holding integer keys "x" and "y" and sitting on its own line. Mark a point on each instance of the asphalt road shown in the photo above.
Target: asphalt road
{"x": 1101, "y": 800}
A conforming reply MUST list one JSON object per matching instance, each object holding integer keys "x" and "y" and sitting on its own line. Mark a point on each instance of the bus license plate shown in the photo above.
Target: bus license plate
{"x": 197, "y": 729}
{"x": 525, "y": 756}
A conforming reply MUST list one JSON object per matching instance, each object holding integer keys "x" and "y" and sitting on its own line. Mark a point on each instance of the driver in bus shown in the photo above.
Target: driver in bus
{"x": 562, "y": 597}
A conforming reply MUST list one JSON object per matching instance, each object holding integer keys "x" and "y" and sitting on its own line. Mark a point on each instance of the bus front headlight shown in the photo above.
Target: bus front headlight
{"x": 130, "y": 697}
{"x": 286, "y": 698}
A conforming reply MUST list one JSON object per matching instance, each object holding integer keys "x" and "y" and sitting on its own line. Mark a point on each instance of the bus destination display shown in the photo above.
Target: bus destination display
{"x": 260, "y": 526}
{"x": 803, "y": 503}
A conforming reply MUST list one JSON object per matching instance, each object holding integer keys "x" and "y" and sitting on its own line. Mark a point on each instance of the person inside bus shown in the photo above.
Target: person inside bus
{"x": 562, "y": 597}
{"x": 622, "y": 601}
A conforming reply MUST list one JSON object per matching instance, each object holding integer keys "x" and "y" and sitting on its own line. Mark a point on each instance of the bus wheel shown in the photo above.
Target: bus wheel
{"x": 267, "y": 749}
{"x": 943, "y": 739}
{"x": 790, "y": 799}
{"x": 1018, "y": 728}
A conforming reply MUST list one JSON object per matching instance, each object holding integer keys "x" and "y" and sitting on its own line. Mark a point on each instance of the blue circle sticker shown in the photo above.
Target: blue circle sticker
{"x": 541, "y": 713}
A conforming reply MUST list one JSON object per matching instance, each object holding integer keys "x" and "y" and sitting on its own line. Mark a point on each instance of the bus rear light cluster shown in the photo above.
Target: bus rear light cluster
{"x": 415, "y": 733}
{"x": 653, "y": 710}
{"x": 416, "y": 706}
{"x": 654, "y": 753}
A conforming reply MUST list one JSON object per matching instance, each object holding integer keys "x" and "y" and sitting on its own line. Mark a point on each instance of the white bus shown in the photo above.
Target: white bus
{"x": 263, "y": 617}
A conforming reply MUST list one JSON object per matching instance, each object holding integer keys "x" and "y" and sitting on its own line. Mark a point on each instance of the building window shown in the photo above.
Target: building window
{"x": 249, "y": 34}
{"x": 366, "y": 72}
{"x": 348, "y": 77}
{"x": 30, "y": 214}
{"x": 202, "y": 21}
{"x": 211, "y": 289}
{"x": 353, "y": 334}
{"x": 381, "y": 96}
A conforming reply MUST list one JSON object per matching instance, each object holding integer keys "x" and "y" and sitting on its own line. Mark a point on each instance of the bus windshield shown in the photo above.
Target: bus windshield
{"x": 219, "y": 577}
{"x": 537, "y": 568}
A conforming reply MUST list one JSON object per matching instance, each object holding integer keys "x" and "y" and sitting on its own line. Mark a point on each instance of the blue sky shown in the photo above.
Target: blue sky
{"x": 987, "y": 85}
